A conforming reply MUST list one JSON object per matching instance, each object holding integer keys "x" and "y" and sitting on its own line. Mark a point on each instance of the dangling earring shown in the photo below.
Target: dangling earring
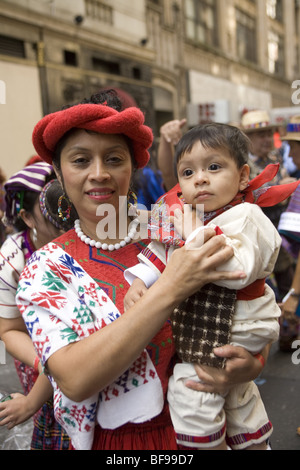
{"x": 34, "y": 235}
{"x": 64, "y": 214}
{"x": 132, "y": 207}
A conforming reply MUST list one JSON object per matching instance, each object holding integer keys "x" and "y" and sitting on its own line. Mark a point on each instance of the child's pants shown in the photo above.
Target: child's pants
{"x": 203, "y": 420}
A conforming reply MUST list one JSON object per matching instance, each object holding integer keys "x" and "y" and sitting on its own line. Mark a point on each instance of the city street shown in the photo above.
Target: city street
{"x": 279, "y": 386}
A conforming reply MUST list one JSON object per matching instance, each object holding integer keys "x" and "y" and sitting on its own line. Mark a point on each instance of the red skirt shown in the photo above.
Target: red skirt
{"x": 157, "y": 434}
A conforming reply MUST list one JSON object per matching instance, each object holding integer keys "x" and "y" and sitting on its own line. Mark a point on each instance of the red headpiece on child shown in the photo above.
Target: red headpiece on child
{"x": 98, "y": 118}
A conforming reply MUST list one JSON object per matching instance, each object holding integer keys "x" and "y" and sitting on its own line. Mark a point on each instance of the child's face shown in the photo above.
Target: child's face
{"x": 210, "y": 177}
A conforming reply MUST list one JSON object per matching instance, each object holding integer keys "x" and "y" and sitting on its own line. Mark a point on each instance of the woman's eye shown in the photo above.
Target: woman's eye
{"x": 80, "y": 159}
{"x": 114, "y": 158}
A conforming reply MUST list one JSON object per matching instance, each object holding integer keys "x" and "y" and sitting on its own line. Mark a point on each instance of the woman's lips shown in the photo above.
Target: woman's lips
{"x": 100, "y": 194}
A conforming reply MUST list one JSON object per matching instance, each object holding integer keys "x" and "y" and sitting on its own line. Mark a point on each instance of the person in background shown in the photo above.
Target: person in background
{"x": 284, "y": 152}
{"x": 32, "y": 196}
{"x": 71, "y": 291}
{"x": 259, "y": 129}
{"x": 170, "y": 133}
{"x": 3, "y": 232}
{"x": 148, "y": 187}
{"x": 289, "y": 229}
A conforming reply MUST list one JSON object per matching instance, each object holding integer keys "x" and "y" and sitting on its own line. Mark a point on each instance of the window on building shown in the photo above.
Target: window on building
{"x": 275, "y": 9}
{"x": 201, "y": 21}
{"x": 246, "y": 36}
{"x": 106, "y": 66}
{"x": 276, "y": 53}
{"x": 98, "y": 10}
{"x": 136, "y": 73}
{"x": 12, "y": 47}
{"x": 70, "y": 58}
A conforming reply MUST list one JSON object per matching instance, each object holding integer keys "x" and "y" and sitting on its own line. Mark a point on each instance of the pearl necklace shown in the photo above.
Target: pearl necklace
{"x": 105, "y": 246}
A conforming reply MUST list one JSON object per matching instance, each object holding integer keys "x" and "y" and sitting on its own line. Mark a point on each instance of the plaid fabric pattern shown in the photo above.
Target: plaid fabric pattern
{"x": 203, "y": 322}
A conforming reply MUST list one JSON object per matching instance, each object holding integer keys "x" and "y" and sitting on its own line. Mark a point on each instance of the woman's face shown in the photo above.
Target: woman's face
{"x": 96, "y": 169}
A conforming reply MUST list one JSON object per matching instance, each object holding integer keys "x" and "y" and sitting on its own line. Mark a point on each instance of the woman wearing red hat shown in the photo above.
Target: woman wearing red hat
{"x": 110, "y": 368}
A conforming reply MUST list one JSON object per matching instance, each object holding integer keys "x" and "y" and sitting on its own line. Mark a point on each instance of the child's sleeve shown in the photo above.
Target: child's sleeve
{"x": 152, "y": 262}
{"x": 255, "y": 242}
{"x": 143, "y": 272}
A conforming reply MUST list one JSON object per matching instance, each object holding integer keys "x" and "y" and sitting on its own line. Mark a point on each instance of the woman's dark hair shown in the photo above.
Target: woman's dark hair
{"x": 111, "y": 99}
{"x": 49, "y": 199}
{"x": 216, "y": 136}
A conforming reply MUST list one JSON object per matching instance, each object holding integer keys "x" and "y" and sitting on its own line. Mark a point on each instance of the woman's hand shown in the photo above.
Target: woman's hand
{"x": 191, "y": 267}
{"x": 241, "y": 366}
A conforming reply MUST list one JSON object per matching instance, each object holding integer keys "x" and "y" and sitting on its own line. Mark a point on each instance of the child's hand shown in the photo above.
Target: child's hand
{"x": 15, "y": 411}
{"x": 135, "y": 292}
{"x": 187, "y": 221}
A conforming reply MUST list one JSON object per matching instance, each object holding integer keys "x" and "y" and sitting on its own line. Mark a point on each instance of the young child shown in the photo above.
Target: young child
{"x": 213, "y": 174}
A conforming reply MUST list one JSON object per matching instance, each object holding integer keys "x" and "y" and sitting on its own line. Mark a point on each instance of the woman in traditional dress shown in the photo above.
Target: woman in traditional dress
{"x": 110, "y": 368}
{"x": 30, "y": 195}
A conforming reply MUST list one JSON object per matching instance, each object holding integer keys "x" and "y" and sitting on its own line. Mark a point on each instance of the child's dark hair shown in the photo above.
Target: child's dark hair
{"x": 216, "y": 136}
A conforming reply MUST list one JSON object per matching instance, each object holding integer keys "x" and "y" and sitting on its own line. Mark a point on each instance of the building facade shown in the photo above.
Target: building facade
{"x": 200, "y": 59}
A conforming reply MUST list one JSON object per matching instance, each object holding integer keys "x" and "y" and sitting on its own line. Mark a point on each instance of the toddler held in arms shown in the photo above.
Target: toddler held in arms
{"x": 213, "y": 176}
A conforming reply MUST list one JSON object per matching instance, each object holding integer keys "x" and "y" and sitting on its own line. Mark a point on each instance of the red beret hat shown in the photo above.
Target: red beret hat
{"x": 98, "y": 118}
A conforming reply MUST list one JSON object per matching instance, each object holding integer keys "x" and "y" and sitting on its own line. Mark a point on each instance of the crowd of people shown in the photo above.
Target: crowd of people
{"x": 112, "y": 356}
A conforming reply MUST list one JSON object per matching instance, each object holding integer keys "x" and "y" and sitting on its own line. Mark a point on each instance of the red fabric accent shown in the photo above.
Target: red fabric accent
{"x": 157, "y": 434}
{"x": 271, "y": 195}
{"x": 260, "y": 358}
{"x": 239, "y": 439}
{"x": 218, "y": 231}
{"x": 94, "y": 117}
{"x": 202, "y": 439}
{"x": 253, "y": 291}
{"x": 154, "y": 260}
{"x": 171, "y": 197}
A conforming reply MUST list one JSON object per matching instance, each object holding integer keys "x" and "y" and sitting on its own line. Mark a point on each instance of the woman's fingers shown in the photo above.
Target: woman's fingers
{"x": 190, "y": 269}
